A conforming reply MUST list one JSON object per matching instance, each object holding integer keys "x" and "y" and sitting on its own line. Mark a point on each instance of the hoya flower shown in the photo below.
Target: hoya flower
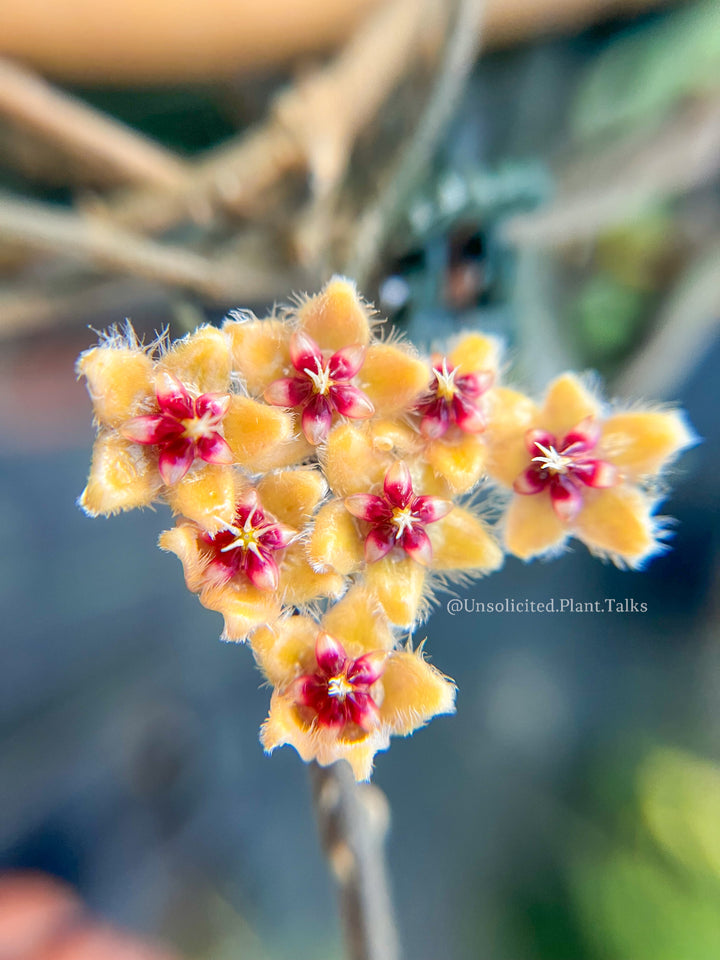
{"x": 578, "y": 472}
{"x": 247, "y": 545}
{"x": 183, "y": 429}
{"x": 321, "y": 386}
{"x": 254, "y": 563}
{"x": 564, "y": 467}
{"x": 398, "y": 517}
{"x": 385, "y": 526}
{"x": 308, "y": 358}
{"x": 168, "y": 426}
{"x": 340, "y": 689}
{"x": 454, "y": 398}
{"x": 453, "y": 413}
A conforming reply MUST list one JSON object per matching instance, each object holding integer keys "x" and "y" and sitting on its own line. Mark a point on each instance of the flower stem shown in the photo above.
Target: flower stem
{"x": 353, "y": 820}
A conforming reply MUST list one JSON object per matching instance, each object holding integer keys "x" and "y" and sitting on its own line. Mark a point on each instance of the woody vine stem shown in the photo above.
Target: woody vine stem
{"x": 352, "y": 821}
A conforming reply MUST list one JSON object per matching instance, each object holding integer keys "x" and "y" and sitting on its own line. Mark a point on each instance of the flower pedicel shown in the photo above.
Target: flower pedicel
{"x": 319, "y": 478}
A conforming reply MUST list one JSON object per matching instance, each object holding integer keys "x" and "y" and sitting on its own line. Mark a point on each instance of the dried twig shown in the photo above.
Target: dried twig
{"x": 687, "y": 323}
{"x": 26, "y": 310}
{"x": 377, "y": 223}
{"x": 47, "y": 229}
{"x": 353, "y": 821}
{"x": 312, "y": 126}
{"x": 611, "y": 187}
{"x": 80, "y": 131}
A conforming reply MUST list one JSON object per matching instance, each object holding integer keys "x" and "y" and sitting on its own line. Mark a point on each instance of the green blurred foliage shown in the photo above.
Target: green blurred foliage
{"x": 641, "y": 76}
{"x": 657, "y": 898}
{"x": 633, "y": 907}
{"x": 608, "y": 315}
{"x": 680, "y": 802}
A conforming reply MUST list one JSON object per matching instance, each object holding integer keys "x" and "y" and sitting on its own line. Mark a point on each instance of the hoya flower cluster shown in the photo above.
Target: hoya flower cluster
{"x": 324, "y": 482}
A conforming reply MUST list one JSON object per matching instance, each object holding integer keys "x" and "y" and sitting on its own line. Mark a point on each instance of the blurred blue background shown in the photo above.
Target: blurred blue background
{"x": 571, "y": 809}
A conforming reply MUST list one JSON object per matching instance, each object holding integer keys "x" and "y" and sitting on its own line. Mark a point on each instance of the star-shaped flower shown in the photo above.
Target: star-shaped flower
{"x": 341, "y": 690}
{"x": 184, "y": 428}
{"x": 170, "y": 428}
{"x": 247, "y": 545}
{"x": 580, "y": 472}
{"x": 453, "y": 413}
{"x": 566, "y": 467}
{"x": 253, "y": 564}
{"x": 321, "y": 387}
{"x": 411, "y": 530}
{"x": 307, "y": 358}
{"x": 398, "y": 518}
{"x": 454, "y": 398}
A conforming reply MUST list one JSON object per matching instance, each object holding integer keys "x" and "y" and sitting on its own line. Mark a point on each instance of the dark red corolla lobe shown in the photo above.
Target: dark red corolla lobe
{"x": 564, "y": 468}
{"x": 338, "y": 692}
{"x": 399, "y": 517}
{"x": 454, "y": 398}
{"x": 184, "y": 428}
{"x": 321, "y": 387}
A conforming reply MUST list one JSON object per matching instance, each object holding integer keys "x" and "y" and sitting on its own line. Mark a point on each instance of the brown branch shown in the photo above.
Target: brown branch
{"x": 686, "y": 324}
{"x": 382, "y": 217}
{"x": 353, "y": 821}
{"x": 611, "y": 187}
{"x": 43, "y": 228}
{"x": 312, "y": 125}
{"x": 76, "y": 128}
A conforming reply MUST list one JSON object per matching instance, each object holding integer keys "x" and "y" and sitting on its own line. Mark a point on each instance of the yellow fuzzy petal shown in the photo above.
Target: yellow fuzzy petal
{"x": 360, "y": 756}
{"x": 616, "y": 522}
{"x": 206, "y": 494}
{"x": 260, "y": 437}
{"x": 336, "y": 317}
{"x": 286, "y": 650}
{"x": 292, "y": 495}
{"x": 393, "y": 438}
{"x": 413, "y": 692}
{"x": 122, "y": 477}
{"x": 182, "y": 540}
{"x": 119, "y": 381}
{"x": 567, "y": 402}
{"x": 243, "y": 607}
{"x": 359, "y": 623}
{"x": 358, "y": 457}
{"x": 459, "y": 460}
{"x": 398, "y": 583}
{"x": 511, "y": 415}
{"x": 351, "y": 465}
{"x": 532, "y": 526}
{"x": 462, "y": 542}
{"x": 335, "y": 543}
{"x": 259, "y": 351}
{"x": 474, "y": 353}
{"x": 640, "y": 443}
{"x": 200, "y": 361}
{"x": 393, "y": 378}
{"x": 284, "y": 726}
{"x": 299, "y": 583}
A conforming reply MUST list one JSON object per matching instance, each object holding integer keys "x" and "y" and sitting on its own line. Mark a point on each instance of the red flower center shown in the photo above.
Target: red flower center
{"x": 453, "y": 398}
{"x": 321, "y": 387}
{"x": 399, "y": 517}
{"x": 565, "y": 468}
{"x": 185, "y": 427}
{"x": 247, "y": 546}
{"x": 338, "y": 693}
